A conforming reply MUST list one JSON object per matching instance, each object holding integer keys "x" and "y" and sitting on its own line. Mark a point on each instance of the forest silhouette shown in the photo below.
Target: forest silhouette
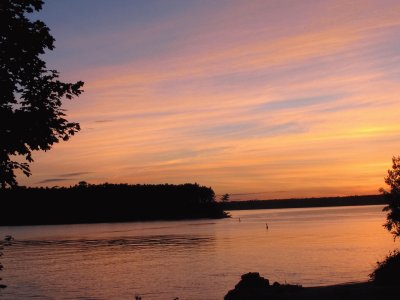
{"x": 306, "y": 202}
{"x": 89, "y": 203}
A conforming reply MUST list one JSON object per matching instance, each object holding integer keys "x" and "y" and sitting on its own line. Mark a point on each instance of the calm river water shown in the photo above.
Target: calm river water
{"x": 200, "y": 259}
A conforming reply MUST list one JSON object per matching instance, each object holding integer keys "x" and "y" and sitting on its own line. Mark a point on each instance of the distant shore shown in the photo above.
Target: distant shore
{"x": 107, "y": 203}
{"x": 305, "y": 202}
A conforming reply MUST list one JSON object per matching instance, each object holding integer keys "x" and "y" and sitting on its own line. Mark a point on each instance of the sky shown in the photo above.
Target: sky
{"x": 259, "y": 99}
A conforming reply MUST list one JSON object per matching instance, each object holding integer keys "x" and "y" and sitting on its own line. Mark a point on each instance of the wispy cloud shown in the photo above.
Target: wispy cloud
{"x": 74, "y": 174}
{"x": 51, "y": 180}
{"x": 103, "y": 121}
{"x": 293, "y": 100}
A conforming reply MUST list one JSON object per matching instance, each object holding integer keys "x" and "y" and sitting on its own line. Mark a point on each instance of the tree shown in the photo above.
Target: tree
{"x": 225, "y": 198}
{"x": 387, "y": 271}
{"x": 31, "y": 117}
{"x": 393, "y": 195}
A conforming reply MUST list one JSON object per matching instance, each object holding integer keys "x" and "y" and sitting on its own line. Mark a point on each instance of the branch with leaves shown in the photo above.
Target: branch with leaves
{"x": 31, "y": 117}
{"x": 393, "y": 195}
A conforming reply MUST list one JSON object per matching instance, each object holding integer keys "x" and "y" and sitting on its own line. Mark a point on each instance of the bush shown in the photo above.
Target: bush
{"x": 387, "y": 271}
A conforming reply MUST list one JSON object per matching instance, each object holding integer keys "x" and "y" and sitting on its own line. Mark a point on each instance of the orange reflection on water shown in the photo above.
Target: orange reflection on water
{"x": 200, "y": 259}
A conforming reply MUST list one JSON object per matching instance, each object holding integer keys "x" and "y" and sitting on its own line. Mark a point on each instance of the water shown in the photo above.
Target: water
{"x": 200, "y": 259}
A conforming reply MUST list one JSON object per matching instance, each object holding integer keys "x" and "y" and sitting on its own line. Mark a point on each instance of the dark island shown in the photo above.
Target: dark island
{"x": 89, "y": 203}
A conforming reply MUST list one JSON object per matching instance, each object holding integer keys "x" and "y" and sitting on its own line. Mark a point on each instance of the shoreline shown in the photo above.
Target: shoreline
{"x": 254, "y": 287}
{"x": 144, "y": 220}
{"x": 226, "y": 214}
{"x": 361, "y": 290}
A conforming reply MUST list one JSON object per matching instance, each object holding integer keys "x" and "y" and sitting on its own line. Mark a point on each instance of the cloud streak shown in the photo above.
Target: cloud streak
{"x": 52, "y": 180}
{"x": 74, "y": 174}
{"x": 292, "y": 100}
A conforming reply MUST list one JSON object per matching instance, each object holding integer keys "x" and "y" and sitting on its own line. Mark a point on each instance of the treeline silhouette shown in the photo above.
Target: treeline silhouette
{"x": 89, "y": 203}
{"x": 306, "y": 202}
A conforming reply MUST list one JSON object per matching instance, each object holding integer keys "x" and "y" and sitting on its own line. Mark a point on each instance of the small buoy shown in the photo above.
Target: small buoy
{"x": 8, "y": 238}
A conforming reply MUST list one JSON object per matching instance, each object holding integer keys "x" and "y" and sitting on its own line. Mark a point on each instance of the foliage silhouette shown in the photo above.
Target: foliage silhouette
{"x": 225, "y": 198}
{"x": 31, "y": 117}
{"x": 387, "y": 271}
{"x": 393, "y": 195}
{"x": 88, "y": 203}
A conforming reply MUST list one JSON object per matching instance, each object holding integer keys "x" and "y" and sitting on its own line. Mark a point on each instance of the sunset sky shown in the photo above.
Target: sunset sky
{"x": 259, "y": 99}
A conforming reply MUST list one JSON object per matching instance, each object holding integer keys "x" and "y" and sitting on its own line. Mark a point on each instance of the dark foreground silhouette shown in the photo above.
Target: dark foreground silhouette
{"x": 254, "y": 287}
{"x": 85, "y": 203}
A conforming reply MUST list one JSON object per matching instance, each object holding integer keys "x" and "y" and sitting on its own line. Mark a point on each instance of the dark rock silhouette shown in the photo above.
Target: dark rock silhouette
{"x": 252, "y": 281}
{"x": 254, "y": 287}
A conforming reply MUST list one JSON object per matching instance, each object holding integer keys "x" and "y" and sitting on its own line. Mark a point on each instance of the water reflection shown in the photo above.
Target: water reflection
{"x": 193, "y": 259}
{"x": 126, "y": 243}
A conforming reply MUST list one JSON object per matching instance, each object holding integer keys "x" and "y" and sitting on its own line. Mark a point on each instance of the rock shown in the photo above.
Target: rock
{"x": 254, "y": 287}
{"x": 276, "y": 284}
{"x": 251, "y": 286}
{"x": 253, "y": 281}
